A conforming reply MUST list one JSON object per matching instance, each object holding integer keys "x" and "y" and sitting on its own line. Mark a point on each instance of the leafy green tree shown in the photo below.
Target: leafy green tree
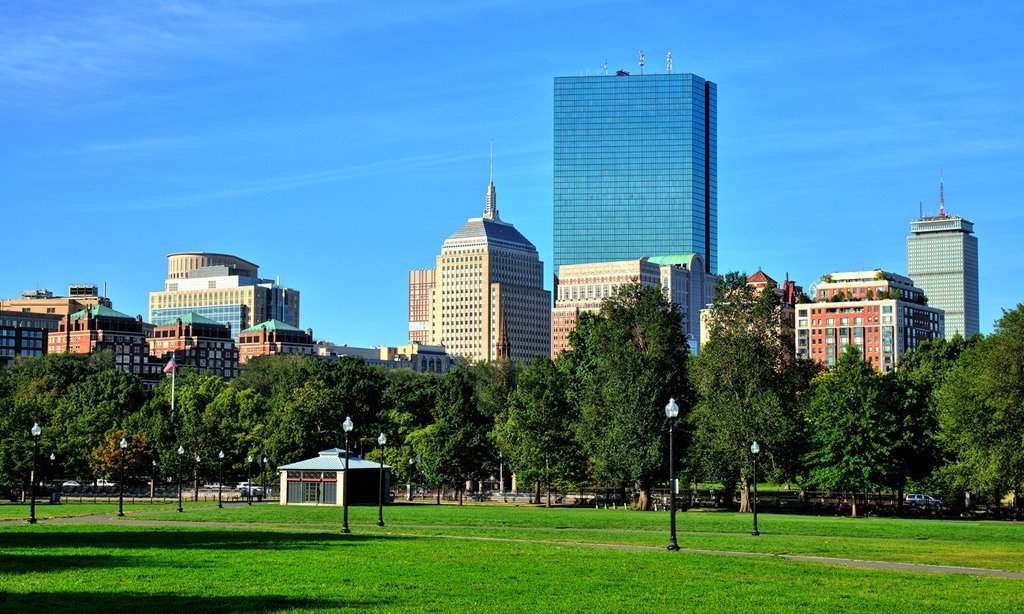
{"x": 918, "y": 453}
{"x": 632, "y": 357}
{"x": 747, "y": 383}
{"x": 456, "y": 446}
{"x": 981, "y": 410}
{"x": 107, "y": 457}
{"x": 536, "y": 430}
{"x": 408, "y": 399}
{"x": 852, "y": 427}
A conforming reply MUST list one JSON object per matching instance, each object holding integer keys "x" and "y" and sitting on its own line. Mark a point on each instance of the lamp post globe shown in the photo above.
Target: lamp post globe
{"x": 380, "y": 485}
{"x": 671, "y": 412}
{"x": 754, "y": 451}
{"x": 220, "y": 480}
{"x": 120, "y": 491}
{"x": 36, "y": 432}
{"x": 181, "y": 452}
{"x": 347, "y": 425}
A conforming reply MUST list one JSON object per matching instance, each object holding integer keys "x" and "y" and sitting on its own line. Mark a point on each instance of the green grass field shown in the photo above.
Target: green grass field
{"x": 483, "y": 558}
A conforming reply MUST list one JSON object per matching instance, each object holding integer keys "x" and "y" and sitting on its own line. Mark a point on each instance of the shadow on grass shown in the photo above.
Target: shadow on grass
{"x": 86, "y": 602}
{"x": 11, "y": 564}
{"x": 175, "y": 538}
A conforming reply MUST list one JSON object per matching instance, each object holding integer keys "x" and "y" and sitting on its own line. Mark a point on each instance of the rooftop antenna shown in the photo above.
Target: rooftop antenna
{"x": 605, "y": 67}
{"x": 668, "y": 62}
{"x": 641, "y": 62}
{"x": 491, "y": 170}
{"x": 920, "y": 210}
{"x": 942, "y": 197}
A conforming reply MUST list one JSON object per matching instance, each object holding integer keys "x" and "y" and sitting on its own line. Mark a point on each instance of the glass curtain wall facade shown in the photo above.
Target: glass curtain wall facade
{"x": 942, "y": 259}
{"x": 635, "y": 168}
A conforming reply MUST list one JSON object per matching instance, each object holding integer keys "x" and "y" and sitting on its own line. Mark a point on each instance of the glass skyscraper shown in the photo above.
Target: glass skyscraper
{"x": 942, "y": 259}
{"x": 635, "y": 168}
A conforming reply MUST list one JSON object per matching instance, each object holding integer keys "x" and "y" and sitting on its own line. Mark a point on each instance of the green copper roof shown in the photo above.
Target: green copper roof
{"x": 191, "y": 318}
{"x": 673, "y": 259}
{"x": 100, "y": 311}
{"x": 273, "y": 325}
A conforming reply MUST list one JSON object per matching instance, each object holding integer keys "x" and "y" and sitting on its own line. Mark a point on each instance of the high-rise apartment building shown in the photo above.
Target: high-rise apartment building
{"x": 223, "y": 288}
{"x": 488, "y": 300}
{"x": 421, "y": 285}
{"x": 942, "y": 259}
{"x": 635, "y": 168}
{"x": 883, "y": 314}
{"x": 582, "y": 288}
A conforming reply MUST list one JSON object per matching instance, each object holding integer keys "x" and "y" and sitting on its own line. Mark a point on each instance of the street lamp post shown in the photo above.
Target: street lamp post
{"x": 36, "y": 432}
{"x": 220, "y": 480}
{"x": 754, "y": 450}
{"x": 53, "y": 474}
{"x": 263, "y": 473}
{"x": 671, "y": 411}
{"x": 248, "y": 478}
{"x": 195, "y": 493}
{"x": 348, "y": 426}
{"x": 380, "y": 486}
{"x": 120, "y": 493}
{"x": 181, "y": 452}
{"x": 152, "y": 490}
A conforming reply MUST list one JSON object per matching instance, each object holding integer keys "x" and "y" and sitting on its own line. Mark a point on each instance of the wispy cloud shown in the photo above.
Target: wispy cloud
{"x": 287, "y": 182}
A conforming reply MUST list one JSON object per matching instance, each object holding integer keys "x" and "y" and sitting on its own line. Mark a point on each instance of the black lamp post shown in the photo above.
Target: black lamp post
{"x": 348, "y": 426}
{"x": 671, "y": 411}
{"x": 152, "y": 490}
{"x": 53, "y": 473}
{"x": 36, "y": 432}
{"x": 120, "y": 493}
{"x": 181, "y": 452}
{"x": 263, "y": 472}
{"x": 380, "y": 486}
{"x": 754, "y": 450}
{"x": 220, "y": 480}
{"x": 248, "y": 477}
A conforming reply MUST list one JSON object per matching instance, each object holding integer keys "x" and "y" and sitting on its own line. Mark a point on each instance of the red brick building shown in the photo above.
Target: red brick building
{"x": 102, "y": 328}
{"x": 198, "y": 342}
{"x": 882, "y": 314}
{"x": 274, "y": 337}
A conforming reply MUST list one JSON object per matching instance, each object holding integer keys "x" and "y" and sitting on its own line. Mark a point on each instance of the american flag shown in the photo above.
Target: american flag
{"x": 171, "y": 365}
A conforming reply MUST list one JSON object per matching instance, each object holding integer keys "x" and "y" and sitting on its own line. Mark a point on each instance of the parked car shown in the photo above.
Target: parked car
{"x": 70, "y": 484}
{"x": 924, "y": 500}
{"x": 244, "y": 488}
{"x": 104, "y": 483}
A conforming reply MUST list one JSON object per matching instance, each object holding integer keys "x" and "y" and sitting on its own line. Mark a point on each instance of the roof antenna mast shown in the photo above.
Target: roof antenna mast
{"x": 606, "y": 67}
{"x": 668, "y": 62}
{"x": 641, "y": 62}
{"x": 942, "y": 197}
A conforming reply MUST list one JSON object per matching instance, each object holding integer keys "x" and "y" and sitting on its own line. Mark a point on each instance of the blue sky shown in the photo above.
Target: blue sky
{"x": 338, "y": 144}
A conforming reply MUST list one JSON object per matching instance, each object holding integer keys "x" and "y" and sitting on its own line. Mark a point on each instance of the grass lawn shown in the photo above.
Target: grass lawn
{"x": 273, "y": 558}
{"x": 19, "y": 511}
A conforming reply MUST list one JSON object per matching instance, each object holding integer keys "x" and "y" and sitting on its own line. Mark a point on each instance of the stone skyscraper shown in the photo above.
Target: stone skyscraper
{"x": 488, "y": 301}
{"x": 942, "y": 259}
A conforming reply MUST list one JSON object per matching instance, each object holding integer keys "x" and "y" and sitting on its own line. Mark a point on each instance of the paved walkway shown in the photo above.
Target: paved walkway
{"x": 136, "y": 519}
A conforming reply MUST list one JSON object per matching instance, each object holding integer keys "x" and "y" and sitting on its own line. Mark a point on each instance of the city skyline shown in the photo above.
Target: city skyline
{"x": 337, "y": 146}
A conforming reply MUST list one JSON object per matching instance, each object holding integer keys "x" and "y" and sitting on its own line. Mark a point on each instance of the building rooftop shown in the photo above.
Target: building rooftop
{"x": 332, "y": 460}
{"x": 273, "y": 325}
{"x": 191, "y": 318}
{"x": 100, "y": 311}
{"x": 684, "y": 260}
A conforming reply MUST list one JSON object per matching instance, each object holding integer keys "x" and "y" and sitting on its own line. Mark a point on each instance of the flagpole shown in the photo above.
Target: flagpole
{"x": 174, "y": 371}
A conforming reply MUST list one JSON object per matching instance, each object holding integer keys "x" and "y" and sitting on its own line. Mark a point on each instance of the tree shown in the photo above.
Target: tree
{"x": 455, "y": 446}
{"x": 918, "y": 453}
{"x": 106, "y": 458}
{"x": 981, "y": 410}
{"x": 409, "y": 399}
{"x": 747, "y": 383}
{"x": 536, "y": 431}
{"x": 631, "y": 358}
{"x": 852, "y": 427}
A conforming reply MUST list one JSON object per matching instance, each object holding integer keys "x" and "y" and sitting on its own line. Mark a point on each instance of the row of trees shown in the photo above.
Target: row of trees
{"x": 949, "y": 418}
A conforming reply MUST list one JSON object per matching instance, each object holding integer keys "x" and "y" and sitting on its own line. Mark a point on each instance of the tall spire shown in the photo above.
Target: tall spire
{"x": 491, "y": 210}
{"x": 942, "y": 197}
